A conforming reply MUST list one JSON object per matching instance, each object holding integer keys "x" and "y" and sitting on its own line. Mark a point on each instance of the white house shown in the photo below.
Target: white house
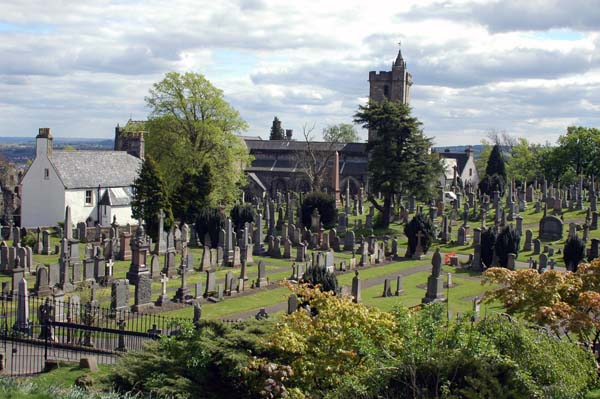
{"x": 461, "y": 164}
{"x": 95, "y": 184}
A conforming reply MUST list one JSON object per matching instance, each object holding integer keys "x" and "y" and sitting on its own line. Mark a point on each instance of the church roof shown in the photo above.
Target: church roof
{"x": 87, "y": 169}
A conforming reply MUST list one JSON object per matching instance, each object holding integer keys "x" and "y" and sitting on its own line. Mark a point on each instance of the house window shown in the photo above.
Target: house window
{"x": 46, "y": 173}
{"x": 88, "y": 197}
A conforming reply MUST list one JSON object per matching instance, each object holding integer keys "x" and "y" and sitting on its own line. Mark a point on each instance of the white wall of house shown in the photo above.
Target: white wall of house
{"x": 470, "y": 172}
{"x": 80, "y": 210}
{"x": 123, "y": 214}
{"x": 42, "y": 197}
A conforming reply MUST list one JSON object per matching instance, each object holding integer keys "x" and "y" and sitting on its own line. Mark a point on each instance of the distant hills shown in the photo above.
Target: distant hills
{"x": 19, "y": 150}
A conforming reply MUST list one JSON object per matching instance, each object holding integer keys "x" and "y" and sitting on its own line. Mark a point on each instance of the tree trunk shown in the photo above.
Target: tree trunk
{"x": 386, "y": 211}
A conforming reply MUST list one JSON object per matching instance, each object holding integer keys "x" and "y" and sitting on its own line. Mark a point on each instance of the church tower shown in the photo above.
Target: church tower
{"x": 393, "y": 85}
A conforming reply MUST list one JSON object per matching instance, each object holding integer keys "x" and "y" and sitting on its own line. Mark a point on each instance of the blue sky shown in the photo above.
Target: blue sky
{"x": 528, "y": 68}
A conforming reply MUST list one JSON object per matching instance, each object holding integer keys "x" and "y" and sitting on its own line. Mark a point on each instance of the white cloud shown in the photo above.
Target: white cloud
{"x": 83, "y": 67}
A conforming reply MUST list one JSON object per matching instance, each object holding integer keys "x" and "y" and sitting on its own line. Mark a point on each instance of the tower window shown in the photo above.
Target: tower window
{"x": 470, "y": 171}
{"x": 88, "y": 197}
{"x": 386, "y": 91}
{"x": 46, "y": 173}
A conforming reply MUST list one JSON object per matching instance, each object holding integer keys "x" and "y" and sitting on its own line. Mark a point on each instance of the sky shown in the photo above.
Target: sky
{"x": 528, "y": 68}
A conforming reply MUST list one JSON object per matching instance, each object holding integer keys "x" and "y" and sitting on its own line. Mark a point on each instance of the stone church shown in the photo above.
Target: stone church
{"x": 276, "y": 169}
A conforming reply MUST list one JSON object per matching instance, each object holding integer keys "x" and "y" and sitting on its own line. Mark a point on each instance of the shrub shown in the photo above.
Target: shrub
{"x": 574, "y": 252}
{"x": 211, "y": 221}
{"x": 419, "y": 223}
{"x": 324, "y": 203}
{"x": 241, "y": 214}
{"x": 488, "y": 241}
{"x": 506, "y": 243}
{"x": 492, "y": 183}
{"x": 319, "y": 275}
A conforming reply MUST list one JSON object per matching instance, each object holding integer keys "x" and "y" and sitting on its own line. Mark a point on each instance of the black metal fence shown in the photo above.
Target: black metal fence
{"x": 36, "y": 330}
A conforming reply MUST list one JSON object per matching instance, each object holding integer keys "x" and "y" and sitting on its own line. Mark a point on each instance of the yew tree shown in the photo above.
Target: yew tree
{"x": 400, "y": 161}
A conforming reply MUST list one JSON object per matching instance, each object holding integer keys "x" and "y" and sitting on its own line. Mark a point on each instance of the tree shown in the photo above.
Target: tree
{"x": 241, "y": 214}
{"x": 580, "y": 149}
{"x": 318, "y": 275}
{"x": 191, "y": 125}
{"x": 400, "y": 159}
{"x": 573, "y": 252}
{"x": 567, "y": 302}
{"x": 495, "y": 173}
{"x": 316, "y": 159}
{"x": 507, "y": 242}
{"x": 150, "y": 197}
{"x": 277, "y": 132}
{"x": 422, "y": 224}
{"x": 324, "y": 203}
{"x": 193, "y": 196}
{"x": 210, "y": 221}
{"x": 340, "y": 133}
{"x": 488, "y": 242}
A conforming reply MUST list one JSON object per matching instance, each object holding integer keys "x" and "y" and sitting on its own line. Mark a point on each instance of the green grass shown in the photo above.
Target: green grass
{"x": 460, "y": 296}
{"x": 234, "y": 305}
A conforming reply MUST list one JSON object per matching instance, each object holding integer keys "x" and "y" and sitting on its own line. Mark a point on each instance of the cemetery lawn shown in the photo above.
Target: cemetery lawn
{"x": 234, "y": 305}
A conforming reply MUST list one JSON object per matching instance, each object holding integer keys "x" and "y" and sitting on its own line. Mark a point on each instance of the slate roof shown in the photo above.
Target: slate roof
{"x": 116, "y": 196}
{"x": 286, "y": 145}
{"x": 90, "y": 169}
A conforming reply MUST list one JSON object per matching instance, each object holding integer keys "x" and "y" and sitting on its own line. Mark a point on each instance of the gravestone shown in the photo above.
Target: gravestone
{"x": 143, "y": 293}
{"x": 528, "y": 238}
{"x": 537, "y": 246}
{"x": 211, "y": 281}
{"x": 551, "y": 228}
{"x": 119, "y": 295}
{"x": 387, "y": 288}
{"x": 154, "y": 266}
{"x": 292, "y": 303}
{"x": 261, "y": 280}
{"x": 435, "y": 284}
{"x": 163, "y": 298}
{"x": 356, "y": 288}
{"x": 399, "y": 288}
{"x": 42, "y": 282}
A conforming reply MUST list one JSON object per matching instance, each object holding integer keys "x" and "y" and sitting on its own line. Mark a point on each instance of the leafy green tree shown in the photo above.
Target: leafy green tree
{"x": 400, "y": 160}
{"x": 193, "y": 196}
{"x": 277, "y": 132}
{"x": 340, "y": 133}
{"x": 191, "y": 125}
{"x": 324, "y": 203}
{"x": 149, "y": 197}
{"x": 580, "y": 149}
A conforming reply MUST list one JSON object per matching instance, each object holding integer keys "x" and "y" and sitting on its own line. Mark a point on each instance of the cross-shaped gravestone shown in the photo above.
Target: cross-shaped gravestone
{"x": 163, "y": 280}
{"x": 109, "y": 266}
